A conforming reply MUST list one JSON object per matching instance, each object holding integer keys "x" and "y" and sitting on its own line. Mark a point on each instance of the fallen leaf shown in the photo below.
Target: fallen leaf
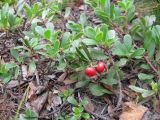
{"x": 110, "y": 110}
{"x": 158, "y": 106}
{"x": 109, "y": 87}
{"x": 40, "y": 89}
{"x": 62, "y": 88}
{"x": 2, "y": 60}
{"x": 131, "y": 111}
{"x": 90, "y": 106}
{"x": 50, "y": 77}
{"x": 68, "y": 81}
{"x": 32, "y": 92}
{"x": 130, "y": 94}
{"x": 56, "y": 91}
{"x": 14, "y": 83}
{"x": 39, "y": 102}
{"x": 53, "y": 101}
{"x": 62, "y": 77}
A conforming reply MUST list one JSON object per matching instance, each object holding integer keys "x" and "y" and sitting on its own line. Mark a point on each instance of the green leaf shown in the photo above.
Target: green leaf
{"x": 102, "y": 15}
{"x": 145, "y": 66}
{"x": 83, "y": 19}
{"x": 33, "y": 42}
{"x": 98, "y": 90}
{"x": 104, "y": 29}
{"x": 47, "y": 34}
{"x": 35, "y": 7}
{"x": 32, "y": 67}
{"x": 148, "y": 93}
{"x": 74, "y": 26}
{"x": 99, "y": 36}
{"x": 123, "y": 49}
{"x": 122, "y": 4}
{"x": 67, "y": 12}
{"x": 11, "y": 20}
{"x": 143, "y": 76}
{"x": 77, "y": 110}
{"x": 86, "y": 50}
{"x": 122, "y": 62}
{"x": 128, "y": 42}
{"x": 78, "y": 35}
{"x": 82, "y": 83}
{"x": 15, "y": 54}
{"x": 89, "y": 32}
{"x": 81, "y": 55}
{"x": 144, "y": 92}
{"x": 16, "y": 72}
{"x": 73, "y": 118}
{"x": 110, "y": 80}
{"x": 30, "y": 113}
{"x": 138, "y": 53}
{"x": 72, "y": 100}
{"x": 89, "y": 41}
{"x": 5, "y": 77}
{"x": 137, "y": 89}
{"x": 22, "y": 117}
{"x": 111, "y": 34}
{"x": 28, "y": 10}
{"x": 10, "y": 65}
{"x": 112, "y": 11}
{"x": 39, "y": 30}
{"x": 84, "y": 102}
{"x": 97, "y": 54}
{"x": 150, "y": 20}
{"x": 85, "y": 115}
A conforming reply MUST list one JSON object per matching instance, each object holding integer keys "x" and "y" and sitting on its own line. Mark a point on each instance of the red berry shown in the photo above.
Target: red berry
{"x": 90, "y": 71}
{"x": 100, "y": 67}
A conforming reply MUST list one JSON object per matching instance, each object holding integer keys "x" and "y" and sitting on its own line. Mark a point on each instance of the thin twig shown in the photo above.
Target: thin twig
{"x": 148, "y": 61}
{"x": 120, "y": 93}
{"x": 119, "y": 84}
{"x": 150, "y": 64}
{"x": 120, "y": 88}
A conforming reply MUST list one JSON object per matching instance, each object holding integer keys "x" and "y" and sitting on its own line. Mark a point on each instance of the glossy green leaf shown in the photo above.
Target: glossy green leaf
{"x": 138, "y": 53}
{"x": 47, "y": 34}
{"x": 82, "y": 83}
{"x": 72, "y": 100}
{"x": 32, "y": 67}
{"x": 143, "y": 76}
{"x": 83, "y": 19}
{"x": 98, "y": 90}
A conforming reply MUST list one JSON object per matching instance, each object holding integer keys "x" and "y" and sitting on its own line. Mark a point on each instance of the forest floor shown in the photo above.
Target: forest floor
{"x": 43, "y": 98}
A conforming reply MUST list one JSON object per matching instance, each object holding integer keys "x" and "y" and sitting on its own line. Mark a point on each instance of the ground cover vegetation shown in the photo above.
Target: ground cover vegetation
{"x": 79, "y": 59}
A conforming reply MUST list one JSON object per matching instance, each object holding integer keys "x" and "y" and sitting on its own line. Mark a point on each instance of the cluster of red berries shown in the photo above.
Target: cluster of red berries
{"x": 91, "y": 71}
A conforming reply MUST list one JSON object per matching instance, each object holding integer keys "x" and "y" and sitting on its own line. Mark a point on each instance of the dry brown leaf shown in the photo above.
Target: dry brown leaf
{"x": 14, "y": 83}
{"x": 131, "y": 111}
{"x": 158, "y": 106}
{"x": 90, "y": 106}
{"x": 130, "y": 94}
{"x": 62, "y": 88}
{"x": 62, "y": 77}
{"x": 32, "y": 92}
{"x": 53, "y": 101}
{"x": 38, "y": 103}
{"x": 69, "y": 81}
{"x": 40, "y": 89}
{"x": 49, "y": 77}
{"x": 110, "y": 110}
{"x": 2, "y": 61}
